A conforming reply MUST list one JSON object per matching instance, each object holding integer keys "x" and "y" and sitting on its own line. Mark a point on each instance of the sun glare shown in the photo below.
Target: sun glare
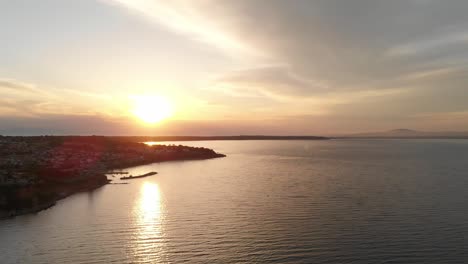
{"x": 151, "y": 109}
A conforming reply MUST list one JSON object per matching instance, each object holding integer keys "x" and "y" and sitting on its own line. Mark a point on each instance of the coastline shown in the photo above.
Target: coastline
{"x": 68, "y": 190}
{"x": 81, "y": 167}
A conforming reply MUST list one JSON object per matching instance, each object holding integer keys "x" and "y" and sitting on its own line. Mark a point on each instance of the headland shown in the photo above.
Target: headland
{"x": 35, "y": 172}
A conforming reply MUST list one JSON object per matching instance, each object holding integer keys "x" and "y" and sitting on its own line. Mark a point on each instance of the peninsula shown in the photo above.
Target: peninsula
{"x": 35, "y": 172}
{"x": 131, "y": 177}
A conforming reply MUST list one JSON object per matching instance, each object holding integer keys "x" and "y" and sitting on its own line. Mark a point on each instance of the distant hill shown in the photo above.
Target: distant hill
{"x": 409, "y": 133}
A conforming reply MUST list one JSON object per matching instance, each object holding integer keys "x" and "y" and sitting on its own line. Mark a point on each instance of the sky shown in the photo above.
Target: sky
{"x": 227, "y": 67}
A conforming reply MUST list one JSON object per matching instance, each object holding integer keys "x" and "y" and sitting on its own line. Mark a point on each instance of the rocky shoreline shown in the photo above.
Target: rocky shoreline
{"x": 46, "y": 195}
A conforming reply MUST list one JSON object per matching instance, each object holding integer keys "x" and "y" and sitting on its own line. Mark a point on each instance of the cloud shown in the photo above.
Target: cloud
{"x": 26, "y": 99}
{"x": 102, "y": 125}
{"x": 61, "y": 124}
{"x": 187, "y": 17}
{"x": 434, "y": 43}
{"x": 344, "y": 44}
{"x": 18, "y": 86}
{"x": 274, "y": 81}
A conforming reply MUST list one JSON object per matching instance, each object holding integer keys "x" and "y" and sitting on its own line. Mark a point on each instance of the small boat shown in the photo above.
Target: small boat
{"x": 131, "y": 177}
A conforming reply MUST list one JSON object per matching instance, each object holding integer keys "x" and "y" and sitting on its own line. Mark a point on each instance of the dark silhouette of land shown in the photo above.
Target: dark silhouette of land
{"x": 403, "y": 133}
{"x": 131, "y": 177}
{"x": 204, "y": 138}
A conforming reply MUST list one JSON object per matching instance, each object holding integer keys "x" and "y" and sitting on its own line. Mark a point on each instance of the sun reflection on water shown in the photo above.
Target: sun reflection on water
{"x": 149, "y": 235}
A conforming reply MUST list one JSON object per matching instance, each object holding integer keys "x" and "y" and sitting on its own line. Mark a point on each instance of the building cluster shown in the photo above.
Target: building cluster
{"x": 18, "y": 158}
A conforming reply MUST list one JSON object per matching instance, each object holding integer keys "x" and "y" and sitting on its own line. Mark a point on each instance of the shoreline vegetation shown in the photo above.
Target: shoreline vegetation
{"x": 36, "y": 172}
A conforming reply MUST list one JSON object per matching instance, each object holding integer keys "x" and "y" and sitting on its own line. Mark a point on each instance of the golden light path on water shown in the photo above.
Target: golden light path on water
{"x": 334, "y": 201}
{"x": 149, "y": 235}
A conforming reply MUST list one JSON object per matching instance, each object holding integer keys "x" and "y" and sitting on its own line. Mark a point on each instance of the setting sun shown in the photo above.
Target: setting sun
{"x": 151, "y": 109}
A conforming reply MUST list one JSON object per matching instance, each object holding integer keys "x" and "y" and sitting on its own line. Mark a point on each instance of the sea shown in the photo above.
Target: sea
{"x": 331, "y": 201}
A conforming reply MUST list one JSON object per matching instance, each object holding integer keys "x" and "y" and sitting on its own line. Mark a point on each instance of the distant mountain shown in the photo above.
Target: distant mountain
{"x": 409, "y": 133}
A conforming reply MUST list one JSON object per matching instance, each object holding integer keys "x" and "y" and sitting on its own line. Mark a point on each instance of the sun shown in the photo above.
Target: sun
{"x": 151, "y": 109}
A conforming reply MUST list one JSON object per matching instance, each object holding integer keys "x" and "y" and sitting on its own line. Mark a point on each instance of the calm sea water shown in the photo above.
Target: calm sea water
{"x": 338, "y": 201}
